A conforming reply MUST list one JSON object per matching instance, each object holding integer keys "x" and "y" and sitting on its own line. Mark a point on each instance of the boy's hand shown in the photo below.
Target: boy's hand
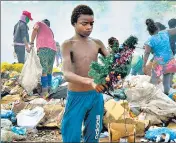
{"x": 98, "y": 87}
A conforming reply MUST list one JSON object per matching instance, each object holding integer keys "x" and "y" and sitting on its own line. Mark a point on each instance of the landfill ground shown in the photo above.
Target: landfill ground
{"x": 118, "y": 114}
{"x": 54, "y": 135}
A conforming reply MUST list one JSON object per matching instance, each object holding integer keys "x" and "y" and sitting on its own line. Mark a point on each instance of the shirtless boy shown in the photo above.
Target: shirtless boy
{"x": 84, "y": 98}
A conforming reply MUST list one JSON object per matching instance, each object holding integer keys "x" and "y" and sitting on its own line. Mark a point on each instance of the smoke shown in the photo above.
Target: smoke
{"x": 119, "y": 19}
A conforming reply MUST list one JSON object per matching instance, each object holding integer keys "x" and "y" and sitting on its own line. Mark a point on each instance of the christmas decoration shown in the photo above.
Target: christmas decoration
{"x": 116, "y": 66}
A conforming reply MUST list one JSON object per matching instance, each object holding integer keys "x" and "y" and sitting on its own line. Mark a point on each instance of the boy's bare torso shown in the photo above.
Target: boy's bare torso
{"x": 82, "y": 54}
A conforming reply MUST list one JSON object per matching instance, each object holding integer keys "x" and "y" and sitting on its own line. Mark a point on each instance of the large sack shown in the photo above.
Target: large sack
{"x": 31, "y": 72}
{"x": 150, "y": 99}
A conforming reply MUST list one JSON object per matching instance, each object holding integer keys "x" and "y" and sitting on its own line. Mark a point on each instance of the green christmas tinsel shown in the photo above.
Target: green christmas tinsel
{"x": 109, "y": 65}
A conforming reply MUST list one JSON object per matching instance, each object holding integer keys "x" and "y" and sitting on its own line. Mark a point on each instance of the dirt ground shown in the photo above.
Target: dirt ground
{"x": 54, "y": 136}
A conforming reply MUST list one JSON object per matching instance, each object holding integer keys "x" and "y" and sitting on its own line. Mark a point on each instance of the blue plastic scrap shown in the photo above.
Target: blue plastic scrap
{"x": 152, "y": 134}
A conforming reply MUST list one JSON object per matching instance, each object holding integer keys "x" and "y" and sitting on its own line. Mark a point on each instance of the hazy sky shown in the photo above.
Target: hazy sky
{"x": 112, "y": 18}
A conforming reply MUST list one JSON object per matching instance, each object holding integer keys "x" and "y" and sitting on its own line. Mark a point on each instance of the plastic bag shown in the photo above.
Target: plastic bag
{"x": 18, "y": 130}
{"x": 151, "y": 134}
{"x": 31, "y": 72}
{"x": 6, "y": 124}
{"x": 30, "y": 118}
{"x": 149, "y": 98}
{"x": 56, "y": 81}
{"x": 9, "y": 136}
{"x": 8, "y": 114}
{"x": 173, "y": 96}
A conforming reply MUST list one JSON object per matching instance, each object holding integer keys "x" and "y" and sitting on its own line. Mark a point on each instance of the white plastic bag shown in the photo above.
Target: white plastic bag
{"x": 31, "y": 72}
{"x": 30, "y": 118}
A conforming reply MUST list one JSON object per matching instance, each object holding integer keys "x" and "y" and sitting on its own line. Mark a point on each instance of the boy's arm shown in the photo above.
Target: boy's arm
{"x": 103, "y": 51}
{"x": 172, "y": 31}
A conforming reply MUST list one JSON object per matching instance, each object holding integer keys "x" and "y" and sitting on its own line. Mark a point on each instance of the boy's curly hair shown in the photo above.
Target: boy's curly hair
{"x": 77, "y": 11}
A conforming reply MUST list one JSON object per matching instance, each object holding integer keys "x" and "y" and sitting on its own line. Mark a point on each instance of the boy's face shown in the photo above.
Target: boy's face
{"x": 84, "y": 25}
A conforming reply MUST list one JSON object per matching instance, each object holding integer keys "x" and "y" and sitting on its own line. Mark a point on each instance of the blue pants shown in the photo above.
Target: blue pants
{"x": 82, "y": 107}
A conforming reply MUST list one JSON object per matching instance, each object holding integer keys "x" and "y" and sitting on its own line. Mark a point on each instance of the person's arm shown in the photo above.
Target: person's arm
{"x": 146, "y": 55}
{"x": 172, "y": 31}
{"x": 34, "y": 32}
{"x": 103, "y": 51}
{"x": 69, "y": 75}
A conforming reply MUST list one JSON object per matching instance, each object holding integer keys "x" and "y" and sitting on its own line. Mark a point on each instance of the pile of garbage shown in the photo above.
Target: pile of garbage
{"x": 22, "y": 113}
{"x": 145, "y": 114}
{"x": 174, "y": 82}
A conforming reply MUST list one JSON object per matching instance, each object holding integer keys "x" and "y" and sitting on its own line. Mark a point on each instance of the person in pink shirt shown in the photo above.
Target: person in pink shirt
{"x": 46, "y": 47}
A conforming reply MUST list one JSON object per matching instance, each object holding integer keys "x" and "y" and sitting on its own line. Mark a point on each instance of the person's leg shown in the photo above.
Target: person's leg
{"x": 166, "y": 83}
{"x": 20, "y": 52}
{"x": 154, "y": 79}
{"x": 73, "y": 116}
{"x": 51, "y": 58}
{"x": 93, "y": 119}
{"x": 171, "y": 79}
{"x": 42, "y": 53}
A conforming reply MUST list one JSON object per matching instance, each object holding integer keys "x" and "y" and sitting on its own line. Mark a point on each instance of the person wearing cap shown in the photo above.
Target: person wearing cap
{"x": 46, "y": 47}
{"x": 21, "y": 36}
{"x": 58, "y": 55}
